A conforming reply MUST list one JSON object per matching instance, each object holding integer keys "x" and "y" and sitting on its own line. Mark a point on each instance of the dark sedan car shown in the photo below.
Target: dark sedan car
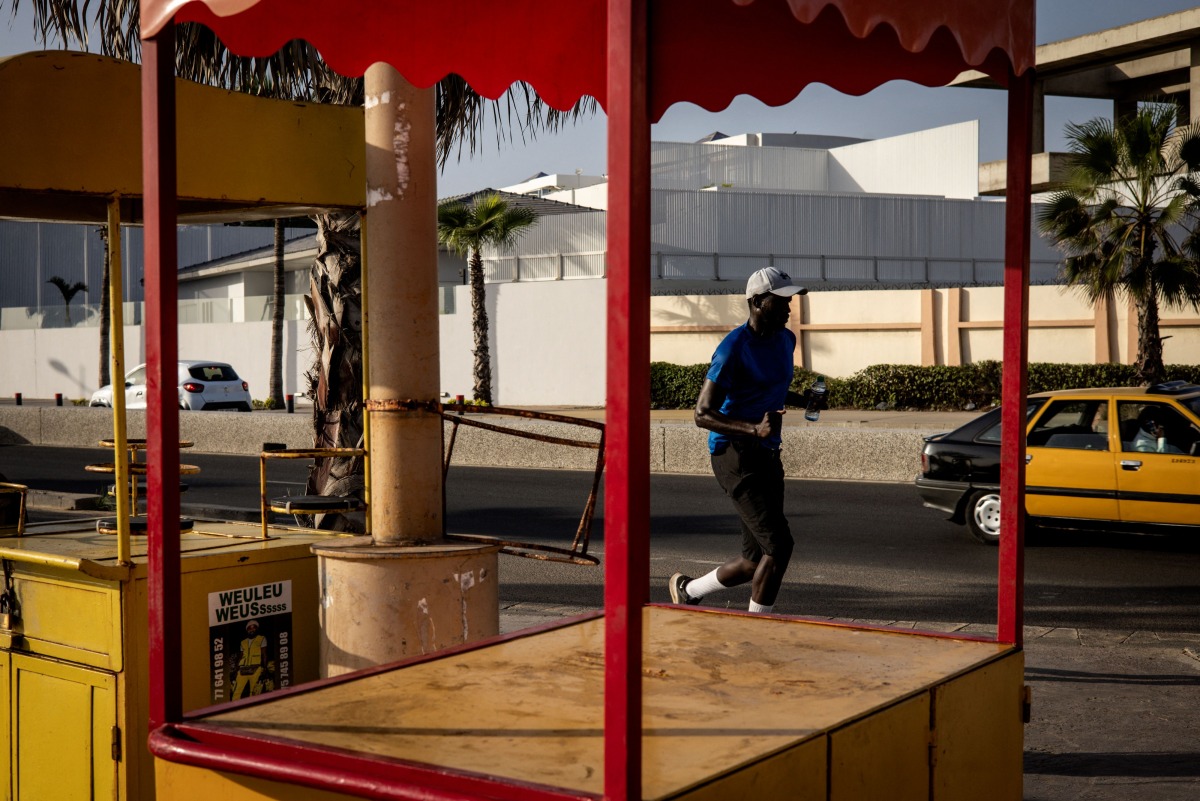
{"x": 1139, "y": 474}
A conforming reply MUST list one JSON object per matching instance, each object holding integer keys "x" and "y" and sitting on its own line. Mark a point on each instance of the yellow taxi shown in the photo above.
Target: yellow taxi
{"x": 1124, "y": 458}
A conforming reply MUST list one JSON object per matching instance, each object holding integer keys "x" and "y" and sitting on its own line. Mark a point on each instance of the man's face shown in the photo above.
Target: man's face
{"x": 252, "y": 629}
{"x": 774, "y": 311}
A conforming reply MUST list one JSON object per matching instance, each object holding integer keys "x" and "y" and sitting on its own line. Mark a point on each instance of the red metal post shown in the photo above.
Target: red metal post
{"x": 627, "y": 494}
{"x": 1010, "y": 611}
{"x": 162, "y": 357}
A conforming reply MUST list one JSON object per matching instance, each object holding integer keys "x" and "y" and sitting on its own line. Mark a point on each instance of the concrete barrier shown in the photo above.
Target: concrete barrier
{"x": 840, "y": 453}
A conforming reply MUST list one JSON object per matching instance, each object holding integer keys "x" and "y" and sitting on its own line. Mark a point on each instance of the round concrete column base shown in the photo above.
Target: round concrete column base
{"x": 383, "y": 603}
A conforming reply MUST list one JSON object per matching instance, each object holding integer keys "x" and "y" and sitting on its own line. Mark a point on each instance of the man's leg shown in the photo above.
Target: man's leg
{"x": 753, "y": 479}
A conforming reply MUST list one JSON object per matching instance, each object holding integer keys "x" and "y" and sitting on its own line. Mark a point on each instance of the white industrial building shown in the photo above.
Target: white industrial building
{"x": 902, "y": 256}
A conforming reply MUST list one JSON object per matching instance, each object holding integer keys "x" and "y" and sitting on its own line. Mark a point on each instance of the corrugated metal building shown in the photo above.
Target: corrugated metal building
{"x": 32, "y": 252}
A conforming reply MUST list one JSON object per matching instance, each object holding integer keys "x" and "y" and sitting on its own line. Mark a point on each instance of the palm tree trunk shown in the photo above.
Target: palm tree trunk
{"x": 479, "y": 322}
{"x": 275, "y": 391}
{"x": 104, "y": 314}
{"x": 1149, "y": 365}
{"x": 335, "y": 380}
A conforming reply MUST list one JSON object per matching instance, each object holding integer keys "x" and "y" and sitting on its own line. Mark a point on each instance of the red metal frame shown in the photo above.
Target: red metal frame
{"x": 875, "y": 42}
{"x": 1010, "y": 600}
{"x": 627, "y": 484}
{"x": 162, "y": 367}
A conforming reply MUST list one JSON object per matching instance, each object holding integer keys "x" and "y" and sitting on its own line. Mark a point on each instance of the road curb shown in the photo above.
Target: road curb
{"x": 62, "y": 501}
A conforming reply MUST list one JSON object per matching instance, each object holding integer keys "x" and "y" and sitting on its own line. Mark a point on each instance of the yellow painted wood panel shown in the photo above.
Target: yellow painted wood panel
{"x": 71, "y": 614}
{"x": 797, "y": 774}
{"x": 6, "y": 741}
{"x": 186, "y": 783}
{"x": 883, "y": 756}
{"x": 87, "y": 103}
{"x": 63, "y": 731}
{"x": 720, "y": 692}
{"x": 68, "y": 616}
{"x": 979, "y": 736}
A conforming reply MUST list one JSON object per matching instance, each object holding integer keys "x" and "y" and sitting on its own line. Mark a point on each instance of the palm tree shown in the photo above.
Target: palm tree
{"x": 275, "y": 391}
{"x": 296, "y": 72}
{"x": 105, "y": 334}
{"x": 69, "y": 291}
{"x": 488, "y": 222}
{"x": 1132, "y": 191}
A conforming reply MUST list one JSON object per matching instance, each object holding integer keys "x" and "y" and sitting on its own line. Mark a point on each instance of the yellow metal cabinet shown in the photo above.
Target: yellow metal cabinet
{"x": 74, "y": 665}
{"x": 65, "y": 739}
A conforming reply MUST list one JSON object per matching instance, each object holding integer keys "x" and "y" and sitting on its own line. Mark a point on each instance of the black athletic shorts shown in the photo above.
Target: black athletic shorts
{"x": 752, "y": 477}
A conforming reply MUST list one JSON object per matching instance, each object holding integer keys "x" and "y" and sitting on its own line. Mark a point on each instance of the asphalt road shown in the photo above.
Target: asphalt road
{"x": 864, "y": 550}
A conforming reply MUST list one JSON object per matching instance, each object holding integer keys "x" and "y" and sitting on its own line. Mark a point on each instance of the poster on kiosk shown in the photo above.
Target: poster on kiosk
{"x": 250, "y": 629}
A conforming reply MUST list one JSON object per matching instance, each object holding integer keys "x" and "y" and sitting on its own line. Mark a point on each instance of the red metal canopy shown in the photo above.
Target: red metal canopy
{"x": 637, "y": 58}
{"x": 701, "y": 51}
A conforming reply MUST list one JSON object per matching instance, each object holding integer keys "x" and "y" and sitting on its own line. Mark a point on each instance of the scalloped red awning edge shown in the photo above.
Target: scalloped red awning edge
{"x": 562, "y": 56}
{"x": 979, "y": 27}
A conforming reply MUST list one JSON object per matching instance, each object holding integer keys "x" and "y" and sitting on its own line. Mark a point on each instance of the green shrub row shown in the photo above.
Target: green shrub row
{"x": 910, "y": 387}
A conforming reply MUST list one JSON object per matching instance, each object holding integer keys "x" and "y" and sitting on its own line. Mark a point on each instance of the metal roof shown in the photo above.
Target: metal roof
{"x": 540, "y": 205}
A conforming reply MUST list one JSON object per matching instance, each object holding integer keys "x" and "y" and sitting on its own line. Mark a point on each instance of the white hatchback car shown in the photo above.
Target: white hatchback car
{"x": 202, "y": 385}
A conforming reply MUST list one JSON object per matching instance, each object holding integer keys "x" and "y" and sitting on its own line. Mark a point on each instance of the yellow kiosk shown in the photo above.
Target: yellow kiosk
{"x": 646, "y": 702}
{"x": 74, "y": 684}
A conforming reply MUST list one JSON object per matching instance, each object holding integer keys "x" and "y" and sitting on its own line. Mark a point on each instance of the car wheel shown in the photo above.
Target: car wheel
{"x": 983, "y": 517}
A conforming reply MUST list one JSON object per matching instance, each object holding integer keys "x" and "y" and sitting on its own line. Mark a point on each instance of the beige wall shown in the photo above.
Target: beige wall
{"x": 840, "y": 333}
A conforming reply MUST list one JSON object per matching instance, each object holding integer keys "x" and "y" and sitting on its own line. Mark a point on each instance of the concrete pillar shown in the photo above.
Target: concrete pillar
{"x": 1192, "y": 109}
{"x": 402, "y": 591}
{"x": 381, "y": 604}
{"x": 401, "y": 241}
{"x": 1124, "y": 107}
{"x": 1039, "y": 117}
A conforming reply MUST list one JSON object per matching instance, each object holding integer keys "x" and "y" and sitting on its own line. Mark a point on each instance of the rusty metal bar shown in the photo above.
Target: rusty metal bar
{"x": 266, "y": 506}
{"x": 312, "y": 453}
{"x": 545, "y": 553}
{"x": 516, "y": 432}
{"x": 453, "y": 413}
{"x": 529, "y": 414}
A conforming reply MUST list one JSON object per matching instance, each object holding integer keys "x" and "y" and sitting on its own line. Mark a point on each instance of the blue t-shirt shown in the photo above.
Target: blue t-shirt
{"x": 755, "y": 373}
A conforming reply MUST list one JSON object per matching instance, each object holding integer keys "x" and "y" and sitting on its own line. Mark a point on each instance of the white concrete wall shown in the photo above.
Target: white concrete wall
{"x": 247, "y": 346}
{"x": 548, "y": 339}
{"x": 67, "y": 360}
{"x": 940, "y": 161}
{"x": 594, "y": 197}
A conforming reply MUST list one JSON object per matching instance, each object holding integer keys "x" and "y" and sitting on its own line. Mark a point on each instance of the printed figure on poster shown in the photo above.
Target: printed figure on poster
{"x": 250, "y": 631}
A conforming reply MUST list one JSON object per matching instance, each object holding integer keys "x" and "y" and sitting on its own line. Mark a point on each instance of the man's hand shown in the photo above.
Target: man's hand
{"x": 806, "y": 398}
{"x": 770, "y": 425}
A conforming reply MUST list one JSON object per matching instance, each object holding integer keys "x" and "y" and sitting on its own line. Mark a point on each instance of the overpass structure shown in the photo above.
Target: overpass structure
{"x": 1153, "y": 59}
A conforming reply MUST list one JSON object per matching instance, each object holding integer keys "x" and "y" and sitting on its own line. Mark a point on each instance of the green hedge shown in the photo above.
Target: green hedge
{"x": 909, "y": 387}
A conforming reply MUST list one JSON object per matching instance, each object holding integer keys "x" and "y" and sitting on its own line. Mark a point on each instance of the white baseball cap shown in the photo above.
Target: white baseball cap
{"x": 770, "y": 279}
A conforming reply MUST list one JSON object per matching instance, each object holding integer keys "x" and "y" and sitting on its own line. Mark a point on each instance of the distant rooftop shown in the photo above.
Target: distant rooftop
{"x": 540, "y": 205}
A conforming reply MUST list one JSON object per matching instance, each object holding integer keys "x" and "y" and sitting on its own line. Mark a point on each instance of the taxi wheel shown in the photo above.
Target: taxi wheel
{"x": 983, "y": 517}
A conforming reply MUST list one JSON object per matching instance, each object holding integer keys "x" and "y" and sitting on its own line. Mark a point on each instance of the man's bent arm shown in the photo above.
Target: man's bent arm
{"x": 709, "y": 416}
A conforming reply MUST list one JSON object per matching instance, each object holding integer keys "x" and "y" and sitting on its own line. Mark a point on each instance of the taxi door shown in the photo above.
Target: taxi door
{"x": 1158, "y": 479}
{"x": 1070, "y": 466}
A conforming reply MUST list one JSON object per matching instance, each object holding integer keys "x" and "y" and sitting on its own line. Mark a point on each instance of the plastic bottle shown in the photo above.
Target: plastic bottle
{"x": 816, "y": 399}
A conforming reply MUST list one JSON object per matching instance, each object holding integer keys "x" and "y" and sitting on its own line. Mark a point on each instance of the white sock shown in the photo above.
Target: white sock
{"x": 699, "y": 587}
{"x": 756, "y": 607}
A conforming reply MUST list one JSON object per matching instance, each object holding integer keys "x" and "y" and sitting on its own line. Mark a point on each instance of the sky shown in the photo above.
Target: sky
{"x": 895, "y": 108}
